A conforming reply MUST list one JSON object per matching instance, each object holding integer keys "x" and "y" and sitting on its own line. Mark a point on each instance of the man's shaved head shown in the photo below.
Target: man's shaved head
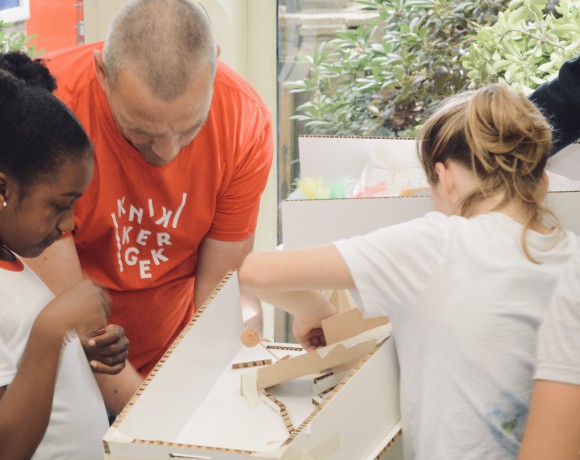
{"x": 164, "y": 42}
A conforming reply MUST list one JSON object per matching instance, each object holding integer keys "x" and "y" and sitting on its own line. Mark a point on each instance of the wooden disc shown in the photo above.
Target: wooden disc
{"x": 250, "y": 337}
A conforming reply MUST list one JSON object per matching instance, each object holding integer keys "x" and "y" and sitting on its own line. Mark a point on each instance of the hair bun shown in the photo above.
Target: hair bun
{"x": 32, "y": 71}
{"x": 506, "y": 131}
{"x": 10, "y": 92}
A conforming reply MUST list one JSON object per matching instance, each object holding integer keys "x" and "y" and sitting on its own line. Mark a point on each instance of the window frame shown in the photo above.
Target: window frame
{"x": 16, "y": 14}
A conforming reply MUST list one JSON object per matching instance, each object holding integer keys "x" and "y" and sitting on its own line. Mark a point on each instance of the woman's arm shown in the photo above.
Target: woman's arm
{"x": 553, "y": 427}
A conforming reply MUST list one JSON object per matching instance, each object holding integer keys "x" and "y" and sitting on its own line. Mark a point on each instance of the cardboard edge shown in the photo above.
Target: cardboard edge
{"x": 286, "y": 444}
{"x": 282, "y": 448}
{"x": 332, "y": 394}
{"x": 393, "y": 437}
{"x": 155, "y": 370}
{"x": 320, "y": 136}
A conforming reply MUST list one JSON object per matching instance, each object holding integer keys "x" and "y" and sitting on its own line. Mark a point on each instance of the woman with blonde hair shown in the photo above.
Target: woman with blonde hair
{"x": 465, "y": 287}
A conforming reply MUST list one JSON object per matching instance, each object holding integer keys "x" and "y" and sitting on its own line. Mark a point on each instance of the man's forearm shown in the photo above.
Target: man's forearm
{"x": 118, "y": 389}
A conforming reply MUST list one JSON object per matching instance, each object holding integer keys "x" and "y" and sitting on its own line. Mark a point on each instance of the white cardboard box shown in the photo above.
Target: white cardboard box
{"x": 190, "y": 406}
{"x": 330, "y": 157}
{"x": 309, "y": 222}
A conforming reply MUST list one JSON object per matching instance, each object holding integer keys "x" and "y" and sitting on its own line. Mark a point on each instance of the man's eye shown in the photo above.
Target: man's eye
{"x": 140, "y": 133}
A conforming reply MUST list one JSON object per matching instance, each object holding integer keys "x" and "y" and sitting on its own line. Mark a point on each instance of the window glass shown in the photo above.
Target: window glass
{"x": 303, "y": 25}
{"x": 5, "y": 4}
{"x": 13, "y": 11}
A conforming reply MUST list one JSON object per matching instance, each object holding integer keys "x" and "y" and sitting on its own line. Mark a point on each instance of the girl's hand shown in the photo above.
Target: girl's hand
{"x": 308, "y": 336}
{"x": 83, "y": 306}
{"x": 307, "y": 327}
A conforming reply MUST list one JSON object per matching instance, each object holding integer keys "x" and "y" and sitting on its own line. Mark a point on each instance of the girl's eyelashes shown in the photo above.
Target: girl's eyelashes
{"x": 64, "y": 207}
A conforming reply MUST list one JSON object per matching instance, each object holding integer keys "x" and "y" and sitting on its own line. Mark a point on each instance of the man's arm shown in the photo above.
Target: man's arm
{"x": 216, "y": 258}
{"x": 559, "y": 101}
{"x": 118, "y": 389}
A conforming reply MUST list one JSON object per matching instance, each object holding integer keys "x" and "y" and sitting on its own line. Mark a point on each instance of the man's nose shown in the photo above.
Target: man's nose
{"x": 166, "y": 147}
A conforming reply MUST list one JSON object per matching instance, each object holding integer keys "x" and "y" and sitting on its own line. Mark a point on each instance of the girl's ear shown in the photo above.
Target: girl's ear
{"x": 543, "y": 186}
{"x": 456, "y": 181}
{"x": 3, "y": 189}
{"x": 447, "y": 185}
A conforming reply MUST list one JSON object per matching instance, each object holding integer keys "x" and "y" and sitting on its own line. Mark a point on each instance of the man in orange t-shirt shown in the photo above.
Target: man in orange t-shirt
{"x": 183, "y": 150}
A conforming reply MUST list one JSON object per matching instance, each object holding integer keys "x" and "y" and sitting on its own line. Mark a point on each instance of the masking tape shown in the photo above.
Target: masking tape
{"x": 115, "y": 435}
{"x": 250, "y": 388}
{"x": 377, "y": 334}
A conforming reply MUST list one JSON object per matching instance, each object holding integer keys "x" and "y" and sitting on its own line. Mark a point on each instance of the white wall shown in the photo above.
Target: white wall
{"x": 246, "y": 32}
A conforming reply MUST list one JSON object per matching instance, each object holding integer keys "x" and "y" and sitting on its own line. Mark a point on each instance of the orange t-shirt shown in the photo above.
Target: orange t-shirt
{"x": 139, "y": 226}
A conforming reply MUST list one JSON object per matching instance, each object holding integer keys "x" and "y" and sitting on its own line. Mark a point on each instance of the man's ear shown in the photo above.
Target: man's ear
{"x": 101, "y": 71}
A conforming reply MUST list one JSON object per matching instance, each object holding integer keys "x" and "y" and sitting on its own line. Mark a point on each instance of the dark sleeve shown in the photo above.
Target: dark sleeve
{"x": 559, "y": 101}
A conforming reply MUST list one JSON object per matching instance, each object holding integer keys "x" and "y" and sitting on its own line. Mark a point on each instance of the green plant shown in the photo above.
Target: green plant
{"x": 384, "y": 77}
{"x": 15, "y": 40}
{"x": 527, "y": 45}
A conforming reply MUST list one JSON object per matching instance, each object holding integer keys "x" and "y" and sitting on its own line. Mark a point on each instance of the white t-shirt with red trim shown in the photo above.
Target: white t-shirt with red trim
{"x": 78, "y": 420}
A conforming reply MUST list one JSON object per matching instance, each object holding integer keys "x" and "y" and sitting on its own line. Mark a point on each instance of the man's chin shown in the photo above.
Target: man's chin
{"x": 154, "y": 159}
